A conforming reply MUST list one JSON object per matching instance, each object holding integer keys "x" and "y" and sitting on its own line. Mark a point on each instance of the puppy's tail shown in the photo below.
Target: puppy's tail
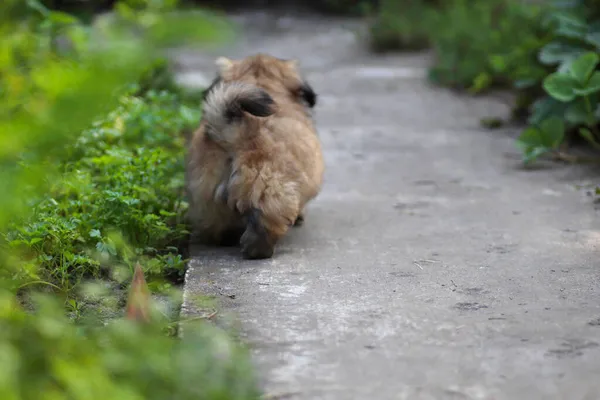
{"x": 226, "y": 104}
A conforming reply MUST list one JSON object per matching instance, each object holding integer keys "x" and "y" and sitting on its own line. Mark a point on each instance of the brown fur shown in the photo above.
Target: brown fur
{"x": 260, "y": 183}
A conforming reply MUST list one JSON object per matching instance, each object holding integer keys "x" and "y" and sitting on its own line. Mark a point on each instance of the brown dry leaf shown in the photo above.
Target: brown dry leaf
{"x": 138, "y": 302}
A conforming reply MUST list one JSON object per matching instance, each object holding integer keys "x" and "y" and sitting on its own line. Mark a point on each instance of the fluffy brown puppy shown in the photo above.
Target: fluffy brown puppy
{"x": 256, "y": 160}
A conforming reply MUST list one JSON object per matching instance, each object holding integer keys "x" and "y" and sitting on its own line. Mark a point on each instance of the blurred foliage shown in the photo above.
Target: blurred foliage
{"x": 343, "y": 7}
{"x": 476, "y": 46}
{"x": 90, "y": 179}
{"x": 401, "y": 25}
{"x": 46, "y": 357}
{"x": 569, "y": 102}
{"x": 546, "y": 51}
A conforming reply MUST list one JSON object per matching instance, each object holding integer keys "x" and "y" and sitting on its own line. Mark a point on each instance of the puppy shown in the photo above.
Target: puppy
{"x": 255, "y": 160}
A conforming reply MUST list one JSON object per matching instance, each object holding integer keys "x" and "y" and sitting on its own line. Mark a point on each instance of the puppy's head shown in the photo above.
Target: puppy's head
{"x": 278, "y": 77}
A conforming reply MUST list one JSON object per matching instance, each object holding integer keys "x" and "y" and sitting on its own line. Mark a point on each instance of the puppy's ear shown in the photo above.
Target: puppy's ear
{"x": 293, "y": 63}
{"x": 308, "y": 94}
{"x": 224, "y": 64}
{"x": 209, "y": 89}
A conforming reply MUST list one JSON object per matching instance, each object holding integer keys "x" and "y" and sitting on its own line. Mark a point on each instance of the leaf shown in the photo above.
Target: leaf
{"x": 95, "y": 233}
{"x": 530, "y": 144}
{"x": 138, "y": 302}
{"x": 570, "y": 26}
{"x": 481, "y": 82}
{"x": 34, "y": 241}
{"x": 582, "y": 67}
{"x": 592, "y": 85}
{"x": 589, "y": 136}
{"x": 106, "y": 248}
{"x": 534, "y": 142}
{"x": 577, "y": 114}
{"x": 593, "y": 39}
{"x": 38, "y": 6}
{"x": 534, "y": 154}
{"x": 545, "y": 108}
{"x": 560, "y": 86}
{"x": 498, "y": 63}
{"x": 61, "y": 18}
{"x": 553, "y": 132}
{"x": 557, "y": 52}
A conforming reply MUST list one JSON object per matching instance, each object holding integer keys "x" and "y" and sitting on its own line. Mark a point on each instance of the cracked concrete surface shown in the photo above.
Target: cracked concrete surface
{"x": 432, "y": 265}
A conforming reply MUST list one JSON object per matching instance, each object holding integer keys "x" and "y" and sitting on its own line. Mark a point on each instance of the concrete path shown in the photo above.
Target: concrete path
{"x": 432, "y": 266}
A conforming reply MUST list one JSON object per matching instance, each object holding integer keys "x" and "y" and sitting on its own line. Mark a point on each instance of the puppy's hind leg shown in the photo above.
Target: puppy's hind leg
{"x": 300, "y": 219}
{"x": 257, "y": 242}
{"x": 215, "y": 225}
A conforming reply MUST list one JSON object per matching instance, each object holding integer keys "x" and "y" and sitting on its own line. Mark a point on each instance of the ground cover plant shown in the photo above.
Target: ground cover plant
{"x": 547, "y": 52}
{"x": 569, "y": 104}
{"x": 91, "y": 167}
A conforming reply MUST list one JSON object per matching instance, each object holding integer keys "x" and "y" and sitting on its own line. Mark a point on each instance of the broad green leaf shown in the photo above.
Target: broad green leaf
{"x": 582, "y": 67}
{"x": 565, "y": 66}
{"x": 532, "y": 155}
{"x": 545, "y": 108}
{"x": 592, "y": 86}
{"x": 589, "y": 137}
{"x": 593, "y": 39}
{"x": 557, "y": 52}
{"x": 531, "y": 144}
{"x": 38, "y": 6}
{"x": 553, "y": 132}
{"x": 95, "y": 233}
{"x": 530, "y": 137}
{"x": 570, "y": 26}
{"x": 498, "y": 63}
{"x": 577, "y": 114}
{"x": 560, "y": 86}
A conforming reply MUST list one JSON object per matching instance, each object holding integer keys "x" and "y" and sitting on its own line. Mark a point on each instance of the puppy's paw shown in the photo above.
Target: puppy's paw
{"x": 299, "y": 220}
{"x": 256, "y": 241}
{"x": 254, "y": 248}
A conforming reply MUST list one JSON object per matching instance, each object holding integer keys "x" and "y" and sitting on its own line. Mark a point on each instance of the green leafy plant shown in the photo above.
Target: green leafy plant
{"x": 576, "y": 86}
{"x": 542, "y": 139}
{"x": 126, "y": 174}
{"x": 91, "y": 168}
{"x": 476, "y": 46}
{"x": 571, "y": 89}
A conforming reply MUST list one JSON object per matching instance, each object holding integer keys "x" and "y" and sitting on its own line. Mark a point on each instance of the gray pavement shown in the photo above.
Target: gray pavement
{"x": 432, "y": 265}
